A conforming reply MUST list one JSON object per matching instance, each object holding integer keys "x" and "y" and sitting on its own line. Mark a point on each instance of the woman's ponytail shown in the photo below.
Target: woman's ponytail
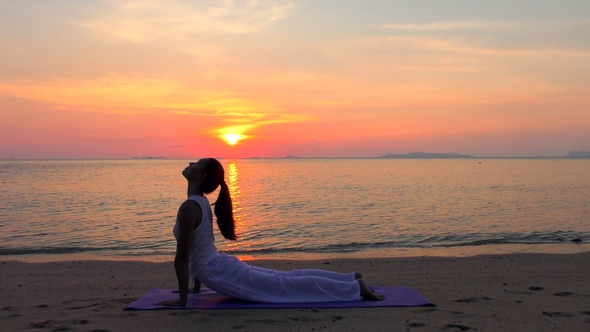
{"x": 224, "y": 213}
{"x": 223, "y": 207}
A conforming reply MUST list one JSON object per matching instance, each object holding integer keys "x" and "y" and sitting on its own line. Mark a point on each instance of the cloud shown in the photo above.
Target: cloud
{"x": 132, "y": 21}
{"x": 489, "y": 26}
{"x": 110, "y": 91}
{"x": 231, "y": 113}
{"x": 456, "y": 25}
{"x": 577, "y": 23}
{"x": 123, "y": 94}
{"x": 451, "y": 44}
{"x": 117, "y": 94}
{"x": 243, "y": 127}
{"x": 425, "y": 69}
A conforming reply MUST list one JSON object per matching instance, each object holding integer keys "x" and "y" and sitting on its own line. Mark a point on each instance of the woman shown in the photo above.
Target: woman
{"x": 198, "y": 259}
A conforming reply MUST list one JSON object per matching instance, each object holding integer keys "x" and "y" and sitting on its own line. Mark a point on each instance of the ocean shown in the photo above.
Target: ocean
{"x": 299, "y": 208}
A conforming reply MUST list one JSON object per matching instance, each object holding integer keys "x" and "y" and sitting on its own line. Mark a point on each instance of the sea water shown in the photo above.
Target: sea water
{"x": 301, "y": 208}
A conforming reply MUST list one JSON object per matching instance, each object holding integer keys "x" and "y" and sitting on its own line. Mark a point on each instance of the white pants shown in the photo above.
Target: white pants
{"x": 230, "y": 276}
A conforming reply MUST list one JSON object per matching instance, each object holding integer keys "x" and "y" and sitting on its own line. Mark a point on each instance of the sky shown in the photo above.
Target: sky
{"x": 316, "y": 78}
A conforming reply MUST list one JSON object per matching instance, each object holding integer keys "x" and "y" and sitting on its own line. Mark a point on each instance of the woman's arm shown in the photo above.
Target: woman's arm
{"x": 189, "y": 217}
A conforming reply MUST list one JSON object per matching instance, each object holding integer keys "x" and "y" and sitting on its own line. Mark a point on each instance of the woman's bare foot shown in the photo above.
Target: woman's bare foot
{"x": 367, "y": 294}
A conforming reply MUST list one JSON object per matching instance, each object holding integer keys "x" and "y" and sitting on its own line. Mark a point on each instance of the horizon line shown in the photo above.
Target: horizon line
{"x": 290, "y": 158}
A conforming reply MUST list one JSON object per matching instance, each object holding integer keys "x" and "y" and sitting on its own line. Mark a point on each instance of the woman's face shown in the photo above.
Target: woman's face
{"x": 195, "y": 170}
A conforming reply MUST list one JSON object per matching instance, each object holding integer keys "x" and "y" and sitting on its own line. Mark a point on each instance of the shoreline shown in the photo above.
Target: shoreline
{"x": 452, "y": 251}
{"x": 485, "y": 293}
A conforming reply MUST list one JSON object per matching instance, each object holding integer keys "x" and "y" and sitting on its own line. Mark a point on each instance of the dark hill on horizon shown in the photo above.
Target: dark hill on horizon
{"x": 427, "y": 155}
{"x": 578, "y": 154}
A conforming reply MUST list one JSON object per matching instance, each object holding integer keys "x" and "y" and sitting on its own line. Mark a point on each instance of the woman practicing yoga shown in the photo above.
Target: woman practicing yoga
{"x": 198, "y": 259}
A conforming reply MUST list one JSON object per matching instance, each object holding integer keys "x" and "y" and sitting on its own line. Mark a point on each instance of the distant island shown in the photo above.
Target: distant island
{"x": 578, "y": 154}
{"x": 411, "y": 155}
{"x": 426, "y": 155}
{"x": 147, "y": 157}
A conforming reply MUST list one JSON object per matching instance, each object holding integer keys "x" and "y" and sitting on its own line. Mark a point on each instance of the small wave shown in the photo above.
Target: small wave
{"x": 50, "y": 251}
{"x": 401, "y": 242}
{"x": 443, "y": 241}
{"x": 511, "y": 239}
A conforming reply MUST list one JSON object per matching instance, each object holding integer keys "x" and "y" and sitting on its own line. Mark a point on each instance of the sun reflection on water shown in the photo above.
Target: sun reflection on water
{"x": 235, "y": 193}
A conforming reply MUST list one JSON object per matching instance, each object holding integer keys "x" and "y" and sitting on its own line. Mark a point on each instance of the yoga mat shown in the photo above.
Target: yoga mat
{"x": 402, "y": 296}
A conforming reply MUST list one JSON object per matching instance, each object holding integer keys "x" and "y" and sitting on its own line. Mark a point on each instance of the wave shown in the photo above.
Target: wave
{"x": 410, "y": 242}
{"x": 51, "y": 251}
{"x": 442, "y": 241}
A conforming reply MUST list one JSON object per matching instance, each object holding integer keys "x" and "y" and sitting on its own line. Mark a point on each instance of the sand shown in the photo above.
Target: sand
{"x": 514, "y": 292}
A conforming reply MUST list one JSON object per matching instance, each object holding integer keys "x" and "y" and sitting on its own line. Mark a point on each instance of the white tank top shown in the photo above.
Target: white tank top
{"x": 203, "y": 248}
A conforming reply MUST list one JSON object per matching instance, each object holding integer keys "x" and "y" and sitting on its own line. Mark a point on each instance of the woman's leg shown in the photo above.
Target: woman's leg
{"x": 311, "y": 272}
{"x": 227, "y": 275}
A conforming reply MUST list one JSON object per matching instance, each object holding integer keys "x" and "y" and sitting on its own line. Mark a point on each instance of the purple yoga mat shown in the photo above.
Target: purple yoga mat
{"x": 402, "y": 296}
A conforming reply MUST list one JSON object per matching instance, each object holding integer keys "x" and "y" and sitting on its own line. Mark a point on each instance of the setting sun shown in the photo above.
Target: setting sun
{"x": 233, "y": 134}
{"x": 232, "y": 139}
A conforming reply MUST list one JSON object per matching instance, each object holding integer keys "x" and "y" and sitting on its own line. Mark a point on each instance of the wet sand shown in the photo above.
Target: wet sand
{"x": 511, "y": 292}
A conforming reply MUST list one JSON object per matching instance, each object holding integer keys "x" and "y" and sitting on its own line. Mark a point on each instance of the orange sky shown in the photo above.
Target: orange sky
{"x": 116, "y": 79}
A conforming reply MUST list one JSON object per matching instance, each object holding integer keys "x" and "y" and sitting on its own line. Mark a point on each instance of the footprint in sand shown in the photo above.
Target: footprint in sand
{"x": 14, "y": 315}
{"x": 59, "y": 325}
{"x": 83, "y": 306}
{"x": 44, "y": 324}
{"x": 303, "y": 319}
{"x": 416, "y": 325}
{"x": 456, "y": 327}
{"x": 558, "y": 314}
{"x": 183, "y": 313}
{"x": 468, "y": 300}
{"x": 426, "y": 310}
{"x": 262, "y": 321}
{"x": 565, "y": 294}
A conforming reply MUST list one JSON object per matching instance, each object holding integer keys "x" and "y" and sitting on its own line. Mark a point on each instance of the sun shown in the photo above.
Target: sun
{"x": 232, "y": 135}
{"x": 232, "y": 139}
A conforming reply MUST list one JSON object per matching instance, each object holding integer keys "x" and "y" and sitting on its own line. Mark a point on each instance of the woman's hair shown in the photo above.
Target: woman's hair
{"x": 223, "y": 206}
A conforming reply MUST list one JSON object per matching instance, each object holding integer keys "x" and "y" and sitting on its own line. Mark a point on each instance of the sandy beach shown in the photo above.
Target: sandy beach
{"x": 514, "y": 292}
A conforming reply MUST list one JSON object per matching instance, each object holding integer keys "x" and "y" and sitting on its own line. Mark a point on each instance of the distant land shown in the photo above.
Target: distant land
{"x": 411, "y": 155}
{"x": 147, "y": 157}
{"x": 578, "y": 154}
{"x": 426, "y": 155}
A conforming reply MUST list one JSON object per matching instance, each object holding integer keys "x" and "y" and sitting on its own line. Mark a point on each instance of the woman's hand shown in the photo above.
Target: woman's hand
{"x": 171, "y": 303}
{"x": 196, "y": 287}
